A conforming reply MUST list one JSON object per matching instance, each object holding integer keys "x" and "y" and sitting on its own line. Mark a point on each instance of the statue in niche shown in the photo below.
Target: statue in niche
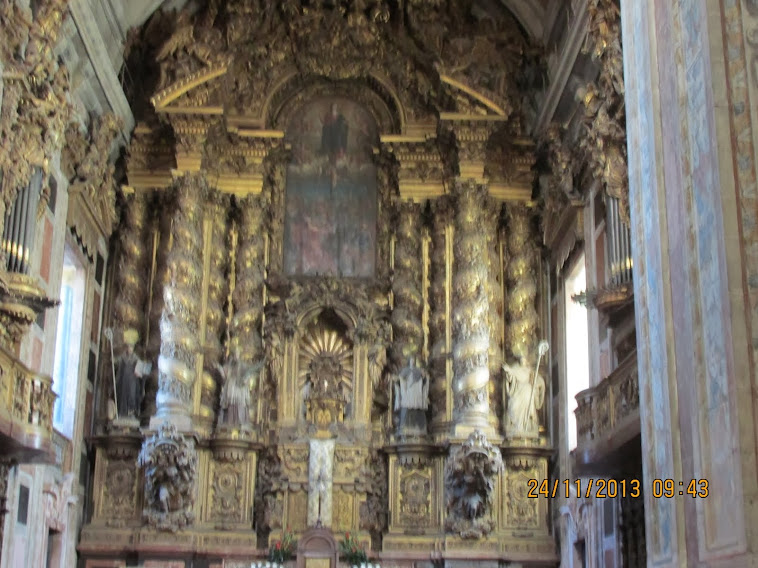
{"x": 525, "y": 389}
{"x": 412, "y": 398}
{"x": 324, "y": 393}
{"x": 239, "y": 379}
{"x": 131, "y": 373}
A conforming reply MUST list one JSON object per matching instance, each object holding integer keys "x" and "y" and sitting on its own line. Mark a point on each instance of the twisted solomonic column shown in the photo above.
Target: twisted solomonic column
{"x": 180, "y": 320}
{"x": 471, "y": 329}
{"x": 406, "y": 286}
{"x": 217, "y": 290}
{"x": 521, "y": 285}
{"x": 133, "y": 265}
{"x": 247, "y": 297}
{"x": 495, "y": 298}
{"x": 439, "y": 323}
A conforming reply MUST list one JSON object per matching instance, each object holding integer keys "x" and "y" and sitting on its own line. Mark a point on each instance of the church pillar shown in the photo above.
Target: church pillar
{"x": 440, "y": 336}
{"x": 470, "y": 314}
{"x": 247, "y": 294}
{"x": 215, "y": 257}
{"x": 495, "y": 299}
{"x": 129, "y": 304}
{"x": 522, "y": 288}
{"x": 406, "y": 285}
{"x": 691, "y": 95}
{"x": 180, "y": 321}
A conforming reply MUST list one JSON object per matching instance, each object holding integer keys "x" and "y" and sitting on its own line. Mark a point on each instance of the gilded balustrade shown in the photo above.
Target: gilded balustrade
{"x": 26, "y": 409}
{"x": 606, "y": 412}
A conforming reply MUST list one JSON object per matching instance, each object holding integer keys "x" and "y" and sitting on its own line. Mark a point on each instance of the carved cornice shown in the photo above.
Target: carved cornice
{"x": 422, "y": 173}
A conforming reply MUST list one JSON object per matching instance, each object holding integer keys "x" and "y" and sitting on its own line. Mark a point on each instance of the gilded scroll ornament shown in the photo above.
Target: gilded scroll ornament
{"x": 169, "y": 460}
{"x": 471, "y": 473}
{"x": 415, "y": 497}
{"x": 604, "y": 142}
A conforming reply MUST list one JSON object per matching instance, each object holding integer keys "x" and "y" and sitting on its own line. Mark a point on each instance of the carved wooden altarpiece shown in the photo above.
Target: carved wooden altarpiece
{"x": 329, "y": 189}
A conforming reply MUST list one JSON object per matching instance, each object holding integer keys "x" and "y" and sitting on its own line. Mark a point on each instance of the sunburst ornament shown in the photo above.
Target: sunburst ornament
{"x": 325, "y": 348}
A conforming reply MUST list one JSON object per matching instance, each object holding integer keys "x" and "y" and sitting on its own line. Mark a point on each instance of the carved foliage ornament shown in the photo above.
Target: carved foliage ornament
{"x": 477, "y": 47}
{"x": 35, "y": 105}
{"x": 86, "y": 163}
{"x": 470, "y": 476}
{"x": 170, "y": 463}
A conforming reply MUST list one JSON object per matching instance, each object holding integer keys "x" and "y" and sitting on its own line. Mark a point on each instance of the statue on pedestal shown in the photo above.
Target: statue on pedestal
{"x": 131, "y": 372}
{"x": 525, "y": 389}
{"x": 412, "y": 398}
{"x": 239, "y": 379}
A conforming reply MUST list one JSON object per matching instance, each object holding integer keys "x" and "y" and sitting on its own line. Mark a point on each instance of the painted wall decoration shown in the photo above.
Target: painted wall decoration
{"x": 331, "y": 193}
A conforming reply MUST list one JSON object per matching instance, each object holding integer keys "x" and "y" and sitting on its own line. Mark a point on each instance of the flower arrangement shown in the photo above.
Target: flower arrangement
{"x": 352, "y": 551}
{"x": 283, "y": 549}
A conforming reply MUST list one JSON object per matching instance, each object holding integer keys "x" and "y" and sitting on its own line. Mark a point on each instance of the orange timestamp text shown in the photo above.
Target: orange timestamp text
{"x": 601, "y": 488}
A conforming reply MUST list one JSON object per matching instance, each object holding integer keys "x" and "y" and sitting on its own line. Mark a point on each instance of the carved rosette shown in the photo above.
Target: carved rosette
{"x": 470, "y": 316}
{"x": 218, "y": 212}
{"x": 180, "y": 320}
{"x": 438, "y": 320}
{"x": 169, "y": 460}
{"x": 133, "y": 266}
{"x": 470, "y": 478}
{"x": 406, "y": 286}
{"x": 521, "y": 284}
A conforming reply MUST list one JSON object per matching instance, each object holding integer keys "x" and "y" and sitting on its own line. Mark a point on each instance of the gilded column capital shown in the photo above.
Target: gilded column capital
{"x": 421, "y": 170}
{"x": 190, "y": 133}
{"x": 470, "y": 137}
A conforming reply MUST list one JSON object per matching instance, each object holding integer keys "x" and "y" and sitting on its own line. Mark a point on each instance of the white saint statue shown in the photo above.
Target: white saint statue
{"x": 412, "y": 396}
{"x": 239, "y": 380}
{"x": 525, "y": 388}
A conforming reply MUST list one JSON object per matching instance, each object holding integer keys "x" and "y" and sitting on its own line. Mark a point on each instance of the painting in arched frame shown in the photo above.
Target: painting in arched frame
{"x": 331, "y": 193}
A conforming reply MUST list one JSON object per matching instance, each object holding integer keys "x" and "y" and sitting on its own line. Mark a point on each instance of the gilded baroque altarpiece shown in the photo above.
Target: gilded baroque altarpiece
{"x": 327, "y": 247}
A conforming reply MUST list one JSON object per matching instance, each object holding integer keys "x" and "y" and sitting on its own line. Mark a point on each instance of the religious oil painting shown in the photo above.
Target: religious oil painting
{"x": 331, "y": 193}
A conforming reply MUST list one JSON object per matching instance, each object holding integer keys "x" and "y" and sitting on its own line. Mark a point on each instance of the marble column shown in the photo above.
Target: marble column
{"x": 691, "y": 95}
{"x": 406, "y": 285}
{"x": 471, "y": 331}
{"x": 180, "y": 321}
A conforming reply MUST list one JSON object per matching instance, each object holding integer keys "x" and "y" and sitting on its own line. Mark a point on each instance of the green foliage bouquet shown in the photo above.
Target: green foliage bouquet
{"x": 352, "y": 551}
{"x": 282, "y": 550}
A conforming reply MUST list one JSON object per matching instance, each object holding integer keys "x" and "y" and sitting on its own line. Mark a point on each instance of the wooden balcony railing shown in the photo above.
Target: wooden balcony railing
{"x": 26, "y": 411}
{"x": 608, "y": 415}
